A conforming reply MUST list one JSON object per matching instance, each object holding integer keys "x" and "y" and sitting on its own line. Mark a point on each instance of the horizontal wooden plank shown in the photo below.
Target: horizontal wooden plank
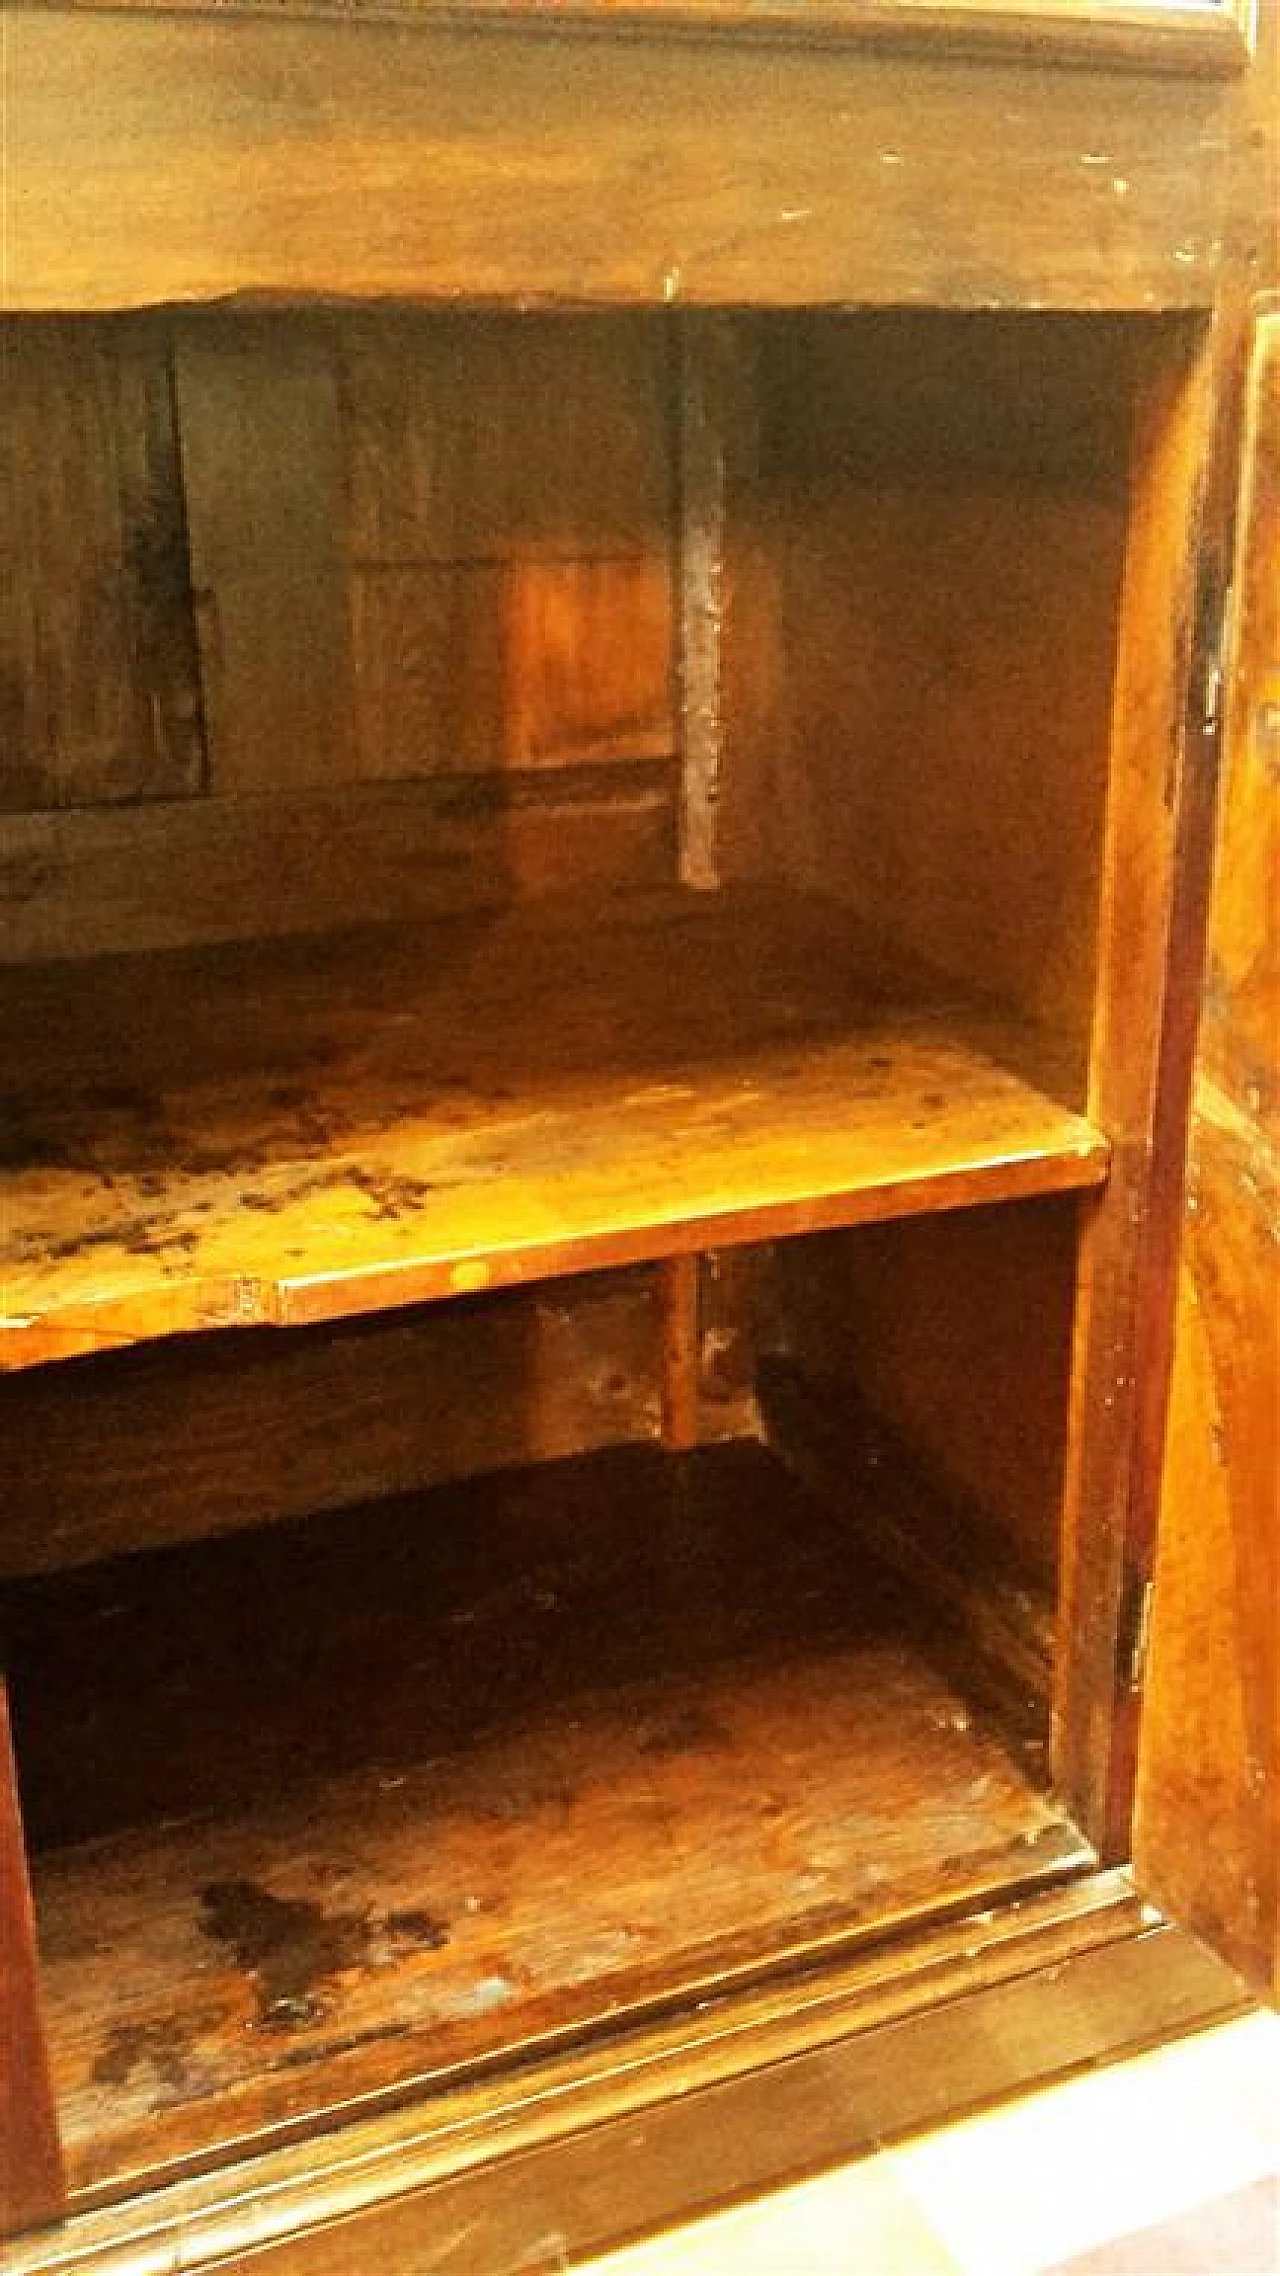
{"x": 1170, "y": 35}
{"x": 415, "y": 1113}
{"x": 274, "y": 157}
{"x": 197, "y": 1437}
{"x": 157, "y": 877}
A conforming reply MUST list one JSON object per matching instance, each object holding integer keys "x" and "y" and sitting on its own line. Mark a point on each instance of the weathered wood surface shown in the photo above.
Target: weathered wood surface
{"x": 88, "y": 884}
{"x": 1208, "y": 1827}
{"x": 754, "y": 2091}
{"x": 929, "y": 503}
{"x": 426, "y": 1112}
{"x": 389, "y": 1850}
{"x": 977, "y": 1584}
{"x": 955, "y": 1331}
{"x": 1157, "y": 848}
{"x": 196, "y": 1438}
{"x": 1172, "y": 35}
{"x": 408, "y": 578}
{"x": 31, "y": 2183}
{"x": 425, "y": 545}
{"x": 99, "y": 685}
{"x": 261, "y": 156}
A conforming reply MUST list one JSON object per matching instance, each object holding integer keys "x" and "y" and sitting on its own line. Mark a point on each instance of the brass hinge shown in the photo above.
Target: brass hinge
{"x": 1134, "y": 1636}
{"x": 1213, "y": 648}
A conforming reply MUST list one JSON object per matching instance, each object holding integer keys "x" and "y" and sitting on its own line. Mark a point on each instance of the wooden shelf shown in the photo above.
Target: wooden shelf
{"x": 380, "y": 1862}
{"x": 303, "y": 1130}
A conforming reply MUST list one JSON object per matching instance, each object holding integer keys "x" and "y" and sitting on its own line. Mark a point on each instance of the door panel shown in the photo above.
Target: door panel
{"x": 1207, "y": 1836}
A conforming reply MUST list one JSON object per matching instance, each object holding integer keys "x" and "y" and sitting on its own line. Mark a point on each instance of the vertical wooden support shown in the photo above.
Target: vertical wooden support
{"x": 681, "y": 1361}
{"x": 31, "y": 2183}
{"x": 710, "y": 407}
{"x": 1156, "y": 865}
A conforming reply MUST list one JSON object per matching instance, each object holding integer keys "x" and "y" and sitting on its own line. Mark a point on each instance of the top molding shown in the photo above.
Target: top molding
{"x": 1209, "y": 37}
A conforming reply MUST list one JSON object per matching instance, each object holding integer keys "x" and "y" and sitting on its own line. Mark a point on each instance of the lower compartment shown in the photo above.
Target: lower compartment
{"x": 329, "y": 1811}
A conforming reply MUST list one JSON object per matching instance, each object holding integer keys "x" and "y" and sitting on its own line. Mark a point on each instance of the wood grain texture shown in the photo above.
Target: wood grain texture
{"x": 930, "y": 503}
{"x": 655, "y": 173}
{"x": 428, "y": 544}
{"x": 262, "y": 463}
{"x": 825, "y": 2105}
{"x": 83, "y": 885}
{"x": 31, "y": 2180}
{"x": 754, "y": 2090}
{"x": 479, "y": 666}
{"x": 387, "y": 1860}
{"x": 1208, "y": 1823}
{"x": 927, "y": 506}
{"x": 502, "y": 436}
{"x": 392, "y": 1126}
{"x": 1162, "y": 35}
{"x": 955, "y": 1331}
{"x": 1142, "y": 966}
{"x": 99, "y": 690}
{"x": 977, "y": 1585}
{"x": 142, "y": 1449}
{"x": 717, "y": 397}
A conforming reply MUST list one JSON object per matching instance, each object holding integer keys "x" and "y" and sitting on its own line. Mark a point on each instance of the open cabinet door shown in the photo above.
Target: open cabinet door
{"x": 31, "y": 2185}
{"x": 1207, "y": 1835}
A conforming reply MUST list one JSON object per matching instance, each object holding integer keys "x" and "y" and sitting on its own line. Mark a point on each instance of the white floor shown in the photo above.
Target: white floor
{"x": 1184, "y": 2142}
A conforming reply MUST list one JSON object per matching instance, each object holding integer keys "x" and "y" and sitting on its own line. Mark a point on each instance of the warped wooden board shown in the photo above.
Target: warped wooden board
{"x": 316, "y": 1128}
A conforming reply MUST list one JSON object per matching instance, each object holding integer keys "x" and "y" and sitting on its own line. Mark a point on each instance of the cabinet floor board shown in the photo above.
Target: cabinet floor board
{"x": 311, "y": 1129}
{"x": 515, "y": 1760}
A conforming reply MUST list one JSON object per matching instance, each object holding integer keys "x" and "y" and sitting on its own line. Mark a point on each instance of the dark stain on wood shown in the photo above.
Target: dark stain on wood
{"x": 162, "y": 2046}
{"x": 294, "y": 1949}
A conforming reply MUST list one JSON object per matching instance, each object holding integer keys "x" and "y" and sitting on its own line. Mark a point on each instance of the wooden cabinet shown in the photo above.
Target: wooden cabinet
{"x": 612, "y": 735}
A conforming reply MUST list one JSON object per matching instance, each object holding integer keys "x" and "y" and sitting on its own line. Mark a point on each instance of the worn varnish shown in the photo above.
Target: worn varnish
{"x": 1144, "y": 967}
{"x": 850, "y": 552}
{"x": 1208, "y": 1823}
{"x": 643, "y": 170}
{"x": 427, "y": 545}
{"x": 383, "y": 1858}
{"x": 1178, "y": 35}
{"x": 418, "y": 1114}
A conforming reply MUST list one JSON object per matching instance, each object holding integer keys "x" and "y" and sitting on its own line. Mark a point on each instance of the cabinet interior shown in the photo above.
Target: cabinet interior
{"x": 553, "y": 880}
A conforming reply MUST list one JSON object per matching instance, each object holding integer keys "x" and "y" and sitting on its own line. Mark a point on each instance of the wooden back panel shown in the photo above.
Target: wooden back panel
{"x": 315, "y": 618}
{"x": 924, "y": 556}
{"x": 926, "y": 525}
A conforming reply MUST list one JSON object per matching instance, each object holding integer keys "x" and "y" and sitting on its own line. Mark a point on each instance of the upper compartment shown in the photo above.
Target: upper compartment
{"x": 497, "y": 797}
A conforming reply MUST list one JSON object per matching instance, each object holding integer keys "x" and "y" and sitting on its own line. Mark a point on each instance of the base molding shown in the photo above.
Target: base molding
{"x": 587, "y": 2149}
